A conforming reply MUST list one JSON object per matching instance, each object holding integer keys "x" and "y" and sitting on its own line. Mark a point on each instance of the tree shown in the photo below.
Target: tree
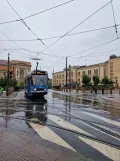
{"x": 96, "y": 80}
{"x": 86, "y": 80}
{"x": 105, "y": 81}
{"x": 111, "y": 82}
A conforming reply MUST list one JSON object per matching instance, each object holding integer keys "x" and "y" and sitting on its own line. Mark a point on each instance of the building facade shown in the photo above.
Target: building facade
{"x": 19, "y": 69}
{"x": 110, "y": 68}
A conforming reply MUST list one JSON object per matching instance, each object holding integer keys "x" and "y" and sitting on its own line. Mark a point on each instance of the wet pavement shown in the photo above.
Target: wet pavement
{"x": 76, "y": 127}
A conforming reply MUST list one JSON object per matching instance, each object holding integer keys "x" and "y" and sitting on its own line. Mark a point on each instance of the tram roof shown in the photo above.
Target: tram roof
{"x": 31, "y": 72}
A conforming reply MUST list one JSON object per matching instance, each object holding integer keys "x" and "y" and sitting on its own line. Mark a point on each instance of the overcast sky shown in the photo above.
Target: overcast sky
{"x": 57, "y": 22}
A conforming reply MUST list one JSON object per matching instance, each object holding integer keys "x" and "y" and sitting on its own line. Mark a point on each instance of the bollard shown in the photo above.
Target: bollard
{"x": 110, "y": 90}
{"x": 91, "y": 90}
{"x": 66, "y": 89}
{"x": 102, "y": 90}
{"x": 83, "y": 90}
{"x": 70, "y": 89}
{"x": 76, "y": 90}
{"x": 119, "y": 90}
{"x": 95, "y": 90}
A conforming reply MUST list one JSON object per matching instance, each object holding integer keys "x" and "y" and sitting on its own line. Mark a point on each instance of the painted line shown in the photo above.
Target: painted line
{"x": 103, "y": 118}
{"x": 47, "y": 134}
{"x": 108, "y": 151}
{"x": 95, "y": 128}
{"x": 107, "y": 128}
{"x": 66, "y": 124}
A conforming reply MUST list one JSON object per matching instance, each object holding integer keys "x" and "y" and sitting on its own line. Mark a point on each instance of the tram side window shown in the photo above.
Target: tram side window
{"x": 28, "y": 82}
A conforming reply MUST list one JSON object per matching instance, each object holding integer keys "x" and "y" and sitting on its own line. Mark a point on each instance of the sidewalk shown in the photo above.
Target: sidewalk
{"x": 115, "y": 97}
{"x": 18, "y": 146}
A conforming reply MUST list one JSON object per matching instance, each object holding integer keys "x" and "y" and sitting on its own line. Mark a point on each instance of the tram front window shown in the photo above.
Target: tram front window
{"x": 39, "y": 80}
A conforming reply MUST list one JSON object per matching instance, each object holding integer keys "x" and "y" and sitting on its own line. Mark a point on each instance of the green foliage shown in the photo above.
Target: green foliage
{"x": 106, "y": 81}
{"x": 21, "y": 84}
{"x": 86, "y": 80}
{"x": 111, "y": 82}
{"x": 96, "y": 80}
{"x": 3, "y": 82}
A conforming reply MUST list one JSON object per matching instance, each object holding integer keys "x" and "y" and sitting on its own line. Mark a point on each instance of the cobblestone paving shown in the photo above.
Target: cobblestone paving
{"x": 15, "y": 146}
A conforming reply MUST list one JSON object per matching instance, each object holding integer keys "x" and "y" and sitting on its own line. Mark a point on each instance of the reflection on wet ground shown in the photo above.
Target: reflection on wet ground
{"x": 64, "y": 117}
{"x": 17, "y": 113}
{"x": 90, "y": 102}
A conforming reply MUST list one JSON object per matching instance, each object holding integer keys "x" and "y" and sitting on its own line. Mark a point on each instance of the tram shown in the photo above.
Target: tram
{"x": 36, "y": 83}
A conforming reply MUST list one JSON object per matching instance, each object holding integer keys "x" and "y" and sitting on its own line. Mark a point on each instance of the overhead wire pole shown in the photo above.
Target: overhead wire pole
{"x": 66, "y": 75}
{"x": 8, "y": 73}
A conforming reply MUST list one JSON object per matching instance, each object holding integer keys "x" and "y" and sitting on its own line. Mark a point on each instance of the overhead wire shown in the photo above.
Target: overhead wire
{"x": 14, "y": 51}
{"x": 55, "y": 63}
{"x": 54, "y": 37}
{"x": 107, "y": 43}
{"x": 92, "y": 47}
{"x": 30, "y": 28}
{"x": 100, "y": 46}
{"x": 21, "y": 47}
{"x": 38, "y": 13}
{"x": 10, "y": 39}
{"x": 114, "y": 18}
{"x": 77, "y": 25}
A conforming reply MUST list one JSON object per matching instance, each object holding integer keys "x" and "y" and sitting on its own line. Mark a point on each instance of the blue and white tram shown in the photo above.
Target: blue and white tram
{"x": 36, "y": 83}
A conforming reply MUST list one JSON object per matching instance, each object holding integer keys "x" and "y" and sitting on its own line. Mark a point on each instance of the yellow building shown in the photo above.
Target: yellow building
{"x": 110, "y": 68}
{"x": 114, "y": 69}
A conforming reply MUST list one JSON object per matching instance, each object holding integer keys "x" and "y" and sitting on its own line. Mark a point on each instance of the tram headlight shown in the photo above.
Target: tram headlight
{"x": 34, "y": 89}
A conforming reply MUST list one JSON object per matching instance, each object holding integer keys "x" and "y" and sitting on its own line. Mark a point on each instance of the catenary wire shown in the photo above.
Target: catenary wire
{"x": 105, "y": 44}
{"x": 54, "y": 37}
{"x": 92, "y": 47}
{"x": 30, "y": 28}
{"x": 77, "y": 25}
{"x": 38, "y": 13}
{"x": 114, "y": 19}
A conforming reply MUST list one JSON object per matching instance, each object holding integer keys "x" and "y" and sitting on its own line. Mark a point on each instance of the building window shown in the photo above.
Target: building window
{"x": 21, "y": 74}
{"x": 62, "y": 75}
{"x": 71, "y": 74}
{"x": 112, "y": 78}
{"x": 79, "y": 80}
{"x": 111, "y": 63}
{"x": 89, "y": 72}
{"x": 95, "y": 71}
{"x": 111, "y": 74}
{"x": 83, "y": 72}
{"x": 78, "y": 73}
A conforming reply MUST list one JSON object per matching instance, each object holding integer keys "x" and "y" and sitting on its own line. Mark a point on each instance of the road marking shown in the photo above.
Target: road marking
{"x": 47, "y": 134}
{"x": 103, "y": 118}
{"x": 87, "y": 124}
{"x": 108, "y": 151}
{"x": 66, "y": 124}
{"x": 107, "y": 128}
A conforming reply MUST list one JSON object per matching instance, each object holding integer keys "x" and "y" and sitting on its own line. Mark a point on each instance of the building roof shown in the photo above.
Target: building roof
{"x": 3, "y": 62}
